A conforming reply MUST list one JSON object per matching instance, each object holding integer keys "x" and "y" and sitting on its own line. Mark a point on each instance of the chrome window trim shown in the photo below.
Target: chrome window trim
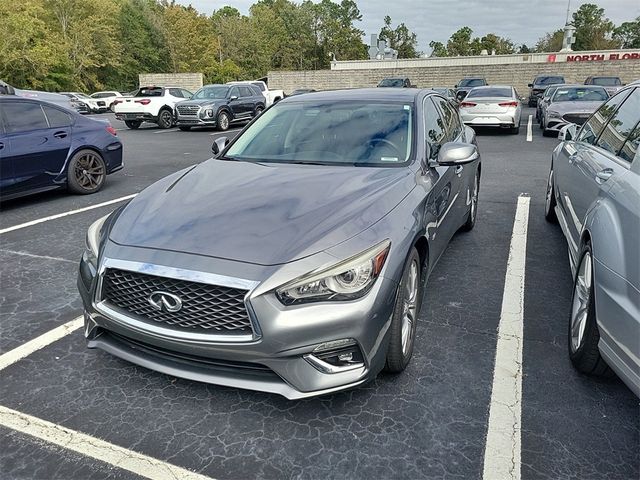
{"x": 117, "y": 315}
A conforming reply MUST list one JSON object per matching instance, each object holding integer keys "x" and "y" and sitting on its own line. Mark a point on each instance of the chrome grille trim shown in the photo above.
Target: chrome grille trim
{"x": 190, "y": 110}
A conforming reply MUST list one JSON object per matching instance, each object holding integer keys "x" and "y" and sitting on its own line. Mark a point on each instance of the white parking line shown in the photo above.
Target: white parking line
{"x": 502, "y": 449}
{"x": 26, "y": 349}
{"x": 171, "y": 130}
{"x": 65, "y": 214}
{"x": 40, "y": 257}
{"x": 529, "y": 131}
{"x": 137, "y": 463}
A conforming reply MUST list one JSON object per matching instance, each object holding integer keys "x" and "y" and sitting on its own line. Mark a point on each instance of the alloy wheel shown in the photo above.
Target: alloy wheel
{"x": 166, "y": 118}
{"x": 547, "y": 202}
{"x": 474, "y": 198}
{"x": 409, "y": 308}
{"x": 581, "y": 299}
{"x": 224, "y": 122}
{"x": 89, "y": 171}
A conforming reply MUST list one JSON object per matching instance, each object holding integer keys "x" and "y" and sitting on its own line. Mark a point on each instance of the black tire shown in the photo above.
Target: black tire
{"x": 473, "y": 208}
{"x": 87, "y": 172}
{"x": 583, "y": 348}
{"x": 165, "y": 118}
{"x": 184, "y": 128}
{"x": 223, "y": 121}
{"x": 550, "y": 200}
{"x": 515, "y": 130}
{"x": 259, "y": 110}
{"x": 532, "y": 104}
{"x": 133, "y": 124}
{"x": 398, "y": 357}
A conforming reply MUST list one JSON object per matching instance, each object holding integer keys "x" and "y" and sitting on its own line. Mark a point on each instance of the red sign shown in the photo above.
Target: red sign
{"x": 551, "y": 58}
{"x": 599, "y": 57}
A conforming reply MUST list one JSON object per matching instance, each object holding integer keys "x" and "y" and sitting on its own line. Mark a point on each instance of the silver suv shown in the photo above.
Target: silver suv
{"x": 594, "y": 193}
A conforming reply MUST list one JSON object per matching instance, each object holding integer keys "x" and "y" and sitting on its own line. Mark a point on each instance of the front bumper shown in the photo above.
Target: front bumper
{"x": 555, "y": 124}
{"x": 272, "y": 360}
{"x": 192, "y": 121}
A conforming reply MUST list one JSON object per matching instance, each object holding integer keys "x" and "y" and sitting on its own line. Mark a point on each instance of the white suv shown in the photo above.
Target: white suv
{"x": 108, "y": 97}
{"x": 150, "y": 104}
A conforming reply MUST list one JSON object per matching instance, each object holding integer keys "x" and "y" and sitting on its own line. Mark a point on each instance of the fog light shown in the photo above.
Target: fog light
{"x": 336, "y": 356}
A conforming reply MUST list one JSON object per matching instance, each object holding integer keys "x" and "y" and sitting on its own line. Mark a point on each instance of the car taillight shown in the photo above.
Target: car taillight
{"x": 146, "y": 101}
{"x": 112, "y": 131}
{"x": 508, "y": 104}
{"x": 467, "y": 104}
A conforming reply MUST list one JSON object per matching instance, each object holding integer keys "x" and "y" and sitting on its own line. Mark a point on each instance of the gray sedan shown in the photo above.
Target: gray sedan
{"x": 594, "y": 193}
{"x": 294, "y": 262}
{"x": 571, "y": 104}
{"x": 492, "y": 106}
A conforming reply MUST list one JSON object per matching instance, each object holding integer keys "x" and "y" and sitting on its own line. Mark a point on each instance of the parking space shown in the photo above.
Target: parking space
{"x": 429, "y": 422}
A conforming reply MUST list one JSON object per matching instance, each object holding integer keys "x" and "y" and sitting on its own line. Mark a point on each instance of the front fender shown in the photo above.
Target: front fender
{"x": 602, "y": 226}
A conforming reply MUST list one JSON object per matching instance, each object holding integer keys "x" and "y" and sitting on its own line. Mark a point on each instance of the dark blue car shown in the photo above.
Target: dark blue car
{"x": 44, "y": 146}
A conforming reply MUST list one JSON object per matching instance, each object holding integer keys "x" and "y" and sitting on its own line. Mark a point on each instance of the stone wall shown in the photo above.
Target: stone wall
{"x": 518, "y": 75}
{"x": 190, "y": 81}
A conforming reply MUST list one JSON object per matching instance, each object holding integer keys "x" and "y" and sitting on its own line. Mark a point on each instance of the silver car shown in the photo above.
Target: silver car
{"x": 492, "y": 106}
{"x": 594, "y": 193}
{"x": 571, "y": 104}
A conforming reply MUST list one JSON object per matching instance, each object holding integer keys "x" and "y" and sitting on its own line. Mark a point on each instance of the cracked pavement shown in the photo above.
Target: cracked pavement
{"x": 429, "y": 422}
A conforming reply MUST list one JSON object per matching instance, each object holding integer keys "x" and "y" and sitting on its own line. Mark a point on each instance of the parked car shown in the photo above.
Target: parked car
{"x": 492, "y": 106}
{"x": 270, "y": 96}
{"x": 610, "y": 84}
{"x": 466, "y": 84}
{"x": 56, "y": 98}
{"x": 6, "y": 89}
{"x": 448, "y": 93}
{"x": 300, "y": 91}
{"x": 594, "y": 193}
{"x": 108, "y": 97}
{"x": 295, "y": 261}
{"x": 219, "y": 106}
{"x": 402, "y": 82}
{"x": 150, "y": 104}
{"x": 540, "y": 84}
{"x": 543, "y": 102}
{"x": 44, "y": 146}
{"x": 94, "y": 105}
{"x": 571, "y": 104}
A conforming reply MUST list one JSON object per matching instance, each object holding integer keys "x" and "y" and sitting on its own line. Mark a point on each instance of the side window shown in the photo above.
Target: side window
{"x": 186, "y": 93}
{"x": 234, "y": 92}
{"x": 451, "y": 119}
{"x": 630, "y": 148}
{"x": 592, "y": 128}
{"x": 434, "y": 129}
{"x": 175, "y": 92}
{"x": 621, "y": 125}
{"x": 245, "y": 91}
{"x": 57, "y": 118}
{"x": 23, "y": 117}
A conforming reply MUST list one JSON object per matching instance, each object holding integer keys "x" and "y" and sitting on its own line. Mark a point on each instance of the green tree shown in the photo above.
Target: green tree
{"x": 551, "y": 42}
{"x": 491, "y": 42}
{"x": 438, "y": 49}
{"x": 459, "y": 43}
{"x": 524, "y": 49}
{"x": 593, "y": 30}
{"x": 400, "y": 39}
{"x": 628, "y": 34}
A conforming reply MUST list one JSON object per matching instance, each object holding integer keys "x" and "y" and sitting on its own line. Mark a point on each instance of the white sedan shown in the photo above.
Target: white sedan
{"x": 492, "y": 106}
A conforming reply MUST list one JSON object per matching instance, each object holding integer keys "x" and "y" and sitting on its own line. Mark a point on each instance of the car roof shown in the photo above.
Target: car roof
{"x": 363, "y": 94}
{"x": 13, "y": 98}
{"x": 492, "y": 86}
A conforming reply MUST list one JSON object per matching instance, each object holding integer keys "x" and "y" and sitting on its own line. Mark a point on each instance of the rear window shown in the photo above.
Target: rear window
{"x": 472, "y": 82}
{"x": 150, "y": 92}
{"x": 259, "y": 86}
{"x": 547, "y": 80}
{"x": 490, "y": 92}
{"x": 606, "y": 81}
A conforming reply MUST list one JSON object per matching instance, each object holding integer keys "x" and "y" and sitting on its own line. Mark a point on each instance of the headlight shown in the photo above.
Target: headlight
{"x": 554, "y": 114}
{"x": 347, "y": 280}
{"x": 209, "y": 112}
{"x": 92, "y": 241}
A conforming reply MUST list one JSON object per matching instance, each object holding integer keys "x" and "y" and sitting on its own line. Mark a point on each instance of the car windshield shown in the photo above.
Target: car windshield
{"x": 81, "y": 95}
{"x": 549, "y": 91}
{"x": 606, "y": 81}
{"x": 342, "y": 133}
{"x": 211, "y": 92}
{"x": 471, "y": 82}
{"x": 490, "y": 92}
{"x": 548, "y": 80}
{"x": 391, "y": 82}
{"x": 580, "y": 94}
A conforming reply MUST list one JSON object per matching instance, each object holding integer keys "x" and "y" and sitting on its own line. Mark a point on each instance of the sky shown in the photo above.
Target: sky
{"x": 521, "y": 21}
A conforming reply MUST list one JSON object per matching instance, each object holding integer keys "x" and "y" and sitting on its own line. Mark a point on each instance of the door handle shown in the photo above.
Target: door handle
{"x": 604, "y": 175}
{"x": 458, "y": 170}
{"x": 60, "y": 134}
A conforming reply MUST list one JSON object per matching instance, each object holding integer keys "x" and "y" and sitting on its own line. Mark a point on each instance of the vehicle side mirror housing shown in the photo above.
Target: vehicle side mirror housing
{"x": 457, "y": 153}
{"x": 233, "y": 97}
{"x": 530, "y": 85}
{"x": 456, "y": 86}
{"x": 218, "y": 145}
{"x": 568, "y": 132}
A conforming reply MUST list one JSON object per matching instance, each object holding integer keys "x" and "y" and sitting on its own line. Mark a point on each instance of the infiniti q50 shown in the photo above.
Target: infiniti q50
{"x": 294, "y": 261}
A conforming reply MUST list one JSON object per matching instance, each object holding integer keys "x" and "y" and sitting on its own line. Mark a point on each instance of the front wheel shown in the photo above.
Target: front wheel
{"x": 165, "y": 119}
{"x": 223, "y": 121}
{"x": 583, "y": 335}
{"x": 405, "y": 315}
{"x": 87, "y": 172}
{"x": 550, "y": 200}
{"x": 258, "y": 111}
{"x": 473, "y": 208}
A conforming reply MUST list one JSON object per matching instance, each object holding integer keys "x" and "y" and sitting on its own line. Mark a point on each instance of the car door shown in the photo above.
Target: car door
{"x": 235, "y": 102}
{"x": 38, "y": 150}
{"x": 576, "y": 168}
{"x": 248, "y": 100}
{"x": 445, "y": 190}
{"x": 6, "y": 163}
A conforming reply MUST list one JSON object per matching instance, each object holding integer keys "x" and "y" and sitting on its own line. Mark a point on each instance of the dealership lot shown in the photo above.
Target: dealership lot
{"x": 431, "y": 421}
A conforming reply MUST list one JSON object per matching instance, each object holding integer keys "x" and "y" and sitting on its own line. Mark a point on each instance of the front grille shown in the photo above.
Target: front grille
{"x": 188, "y": 109}
{"x": 204, "y": 307}
{"x": 101, "y": 104}
{"x": 578, "y": 118}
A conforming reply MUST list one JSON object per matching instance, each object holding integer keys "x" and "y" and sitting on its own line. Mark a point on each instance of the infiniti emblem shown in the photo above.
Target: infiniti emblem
{"x": 165, "y": 301}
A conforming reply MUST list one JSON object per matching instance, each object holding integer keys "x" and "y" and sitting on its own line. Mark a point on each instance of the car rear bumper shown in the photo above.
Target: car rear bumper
{"x": 138, "y": 116}
{"x": 489, "y": 119}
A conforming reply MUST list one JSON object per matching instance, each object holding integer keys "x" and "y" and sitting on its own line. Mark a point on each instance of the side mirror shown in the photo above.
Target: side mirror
{"x": 218, "y": 145}
{"x": 530, "y": 85}
{"x": 457, "y": 153}
{"x": 456, "y": 86}
{"x": 233, "y": 97}
{"x": 568, "y": 132}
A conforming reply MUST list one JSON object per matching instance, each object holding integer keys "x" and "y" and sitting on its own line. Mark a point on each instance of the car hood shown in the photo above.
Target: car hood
{"x": 574, "y": 107}
{"x": 265, "y": 214}
{"x": 201, "y": 102}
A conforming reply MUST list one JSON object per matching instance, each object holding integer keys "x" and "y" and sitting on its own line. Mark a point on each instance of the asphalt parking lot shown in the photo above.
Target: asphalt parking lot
{"x": 430, "y": 422}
